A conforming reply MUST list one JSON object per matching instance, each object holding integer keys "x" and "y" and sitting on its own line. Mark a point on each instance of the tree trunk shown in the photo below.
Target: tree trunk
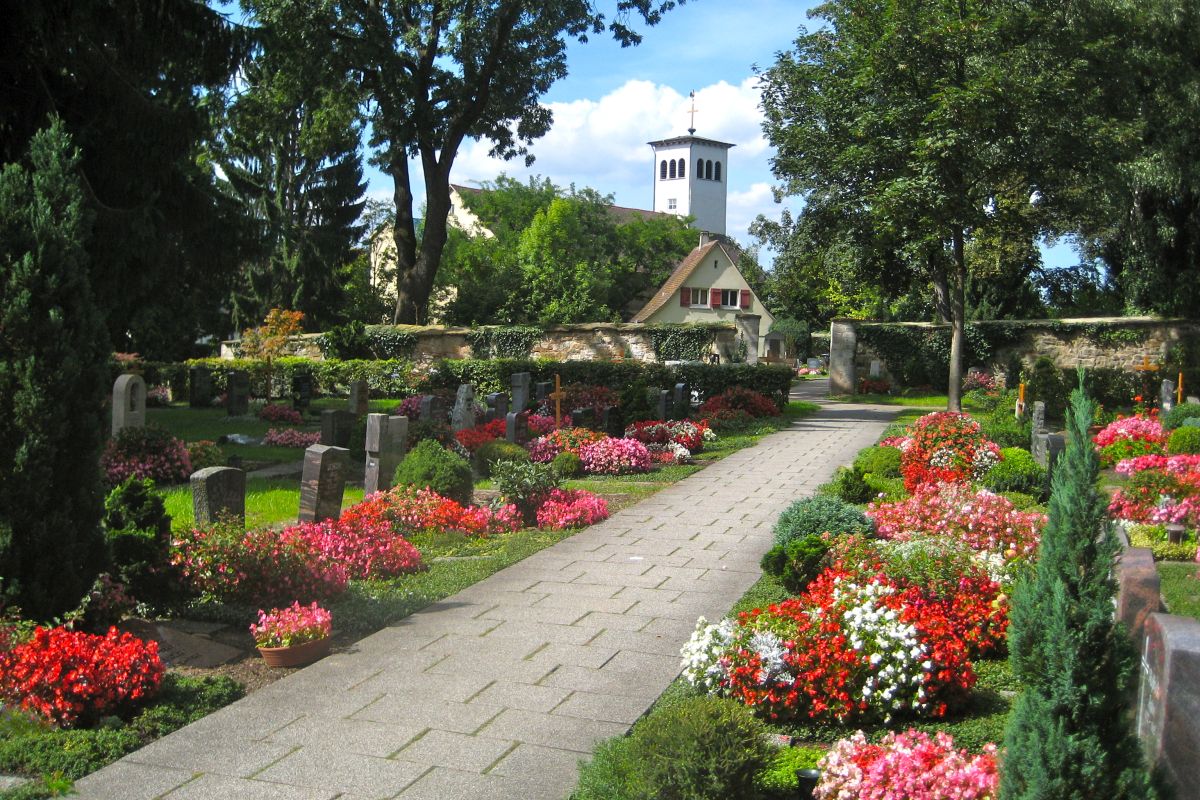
{"x": 957, "y": 296}
{"x": 404, "y": 236}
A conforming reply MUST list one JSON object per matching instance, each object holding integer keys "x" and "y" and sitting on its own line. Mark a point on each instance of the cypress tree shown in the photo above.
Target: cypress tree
{"x": 53, "y": 379}
{"x": 1070, "y": 734}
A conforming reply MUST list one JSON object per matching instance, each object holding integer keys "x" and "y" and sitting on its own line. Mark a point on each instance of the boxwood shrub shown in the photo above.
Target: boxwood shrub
{"x": 820, "y": 514}
{"x": 429, "y": 465}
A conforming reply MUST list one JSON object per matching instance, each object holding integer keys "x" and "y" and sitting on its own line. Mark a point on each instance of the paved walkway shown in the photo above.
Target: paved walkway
{"x": 500, "y": 690}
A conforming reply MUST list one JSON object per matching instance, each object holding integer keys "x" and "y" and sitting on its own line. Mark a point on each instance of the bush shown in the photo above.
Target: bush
{"x": 735, "y": 397}
{"x": 796, "y": 563}
{"x": 730, "y": 420}
{"x": 137, "y": 532}
{"x": 1045, "y": 382}
{"x": 1018, "y": 471}
{"x": 525, "y": 484}
{"x": 273, "y": 412}
{"x": 702, "y": 748}
{"x": 429, "y": 465}
{"x": 571, "y": 508}
{"x": 498, "y": 450}
{"x": 882, "y": 462}
{"x": 1184, "y": 441}
{"x": 148, "y": 452}
{"x": 848, "y": 485}
{"x": 567, "y": 465}
{"x": 820, "y": 514}
{"x": 205, "y": 453}
{"x": 1176, "y": 416}
{"x": 779, "y": 780}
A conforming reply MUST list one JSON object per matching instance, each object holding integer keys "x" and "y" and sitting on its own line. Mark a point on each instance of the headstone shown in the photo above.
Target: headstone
{"x": 128, "y": 403}
{"x": 1166, "y": 395}
{"x": 433, "y": 409}
{"x": 876, "y": 368}
{"x": 681, "y": 401}
{"x": 815, "y": 363}
{"x": 463, "y": 414}
{"x": 200, "y": 392}
{"x": 660, "y": 400}
{"x": 516, "y": 427}
{"x": 1137, "y": 589}
{"x": 1038, "y": 419}
{"x": 387, "y": 441}
{"x": 302, "y": 391}
{"x": 497, "y": 406}
{"x": 323, "y": 482}
{"x": 843, "y": 342}
{"x": 217, "y": 492}
{"x": 1168, "y": 703}
{"x": 1047, "y": 447}
{"x": 237, "y": 393}
{"x": 542, "y": 390}
{"x": 521, "y": 382}
{"x": 584, "y": 418}
{"x": 1193, "y": 399}
{"x": 359, "y": 393}
{"x": 612, "y": 422}
{"x": 337, "y": 427}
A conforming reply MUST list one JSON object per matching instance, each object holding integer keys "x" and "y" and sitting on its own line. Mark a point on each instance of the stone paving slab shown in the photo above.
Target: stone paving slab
{"x": 500, "y": 690}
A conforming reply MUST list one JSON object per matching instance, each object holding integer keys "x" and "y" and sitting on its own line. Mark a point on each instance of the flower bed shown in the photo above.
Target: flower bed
{"x": 569, "y": 440}
{"x": 424, "y": 509}
{"x": 946, "y": 447}
{"x": 1130, "y": 437}
{"x": 290, "y": 437}
{"x": 273, "y": 412}
{"x": 571, "y": 508}
{"x": 474, "y": 438}
{"x": 736, "y": 398}
{"x": 685, "y": 433}
{"x": 295, "y": 624}
{"x": 907, "y": 765}
{"x": 145, "y": 453}
{"x": 1160, "y": 490}
{"x": 615, "y": 457}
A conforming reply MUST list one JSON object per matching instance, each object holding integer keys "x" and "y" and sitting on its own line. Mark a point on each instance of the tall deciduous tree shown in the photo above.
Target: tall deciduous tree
{"x": 53, "y": 375}
{"x": 438, "y": 73}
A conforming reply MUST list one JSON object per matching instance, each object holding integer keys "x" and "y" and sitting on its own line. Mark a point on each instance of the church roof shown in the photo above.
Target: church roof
{"x": 690, "y": 140}
{"x": 684, "y": 271}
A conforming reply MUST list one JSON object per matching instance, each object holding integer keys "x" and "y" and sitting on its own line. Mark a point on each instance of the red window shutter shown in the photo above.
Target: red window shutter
{"x": 714, "y": 298}
{"x": 685, "y": 297}
{"x": 745, "y": 298}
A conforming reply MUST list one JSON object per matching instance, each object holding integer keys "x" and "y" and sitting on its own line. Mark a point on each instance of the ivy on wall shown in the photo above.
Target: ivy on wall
{"x": 682, "y": 342}
{"x": 515, "y": 341}
{"x": 357, "y": 341}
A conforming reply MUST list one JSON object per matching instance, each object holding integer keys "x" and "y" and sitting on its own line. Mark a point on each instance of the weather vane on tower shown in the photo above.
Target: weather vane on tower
{"x": 692, "y": 129}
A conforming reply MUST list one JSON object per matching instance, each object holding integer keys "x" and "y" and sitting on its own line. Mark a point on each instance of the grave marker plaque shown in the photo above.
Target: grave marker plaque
{"x": 128, "y": 403}
{"x": 217, "y": 492}
{"x": 359, "y": 394}
{"x": 1168, "y": 703}
{"x": 387, "y": 441}
{"x": 200, "y": 391}
{"x": 337, "y": 427}
{"x": 516, "y": 428}
{"x": 237, "y": 393}
{"x": 521, "y": 382}
{"x": 323, "y": 482}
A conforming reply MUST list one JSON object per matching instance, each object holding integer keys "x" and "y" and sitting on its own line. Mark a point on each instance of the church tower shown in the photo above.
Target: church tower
{"x": 690, "y": 178}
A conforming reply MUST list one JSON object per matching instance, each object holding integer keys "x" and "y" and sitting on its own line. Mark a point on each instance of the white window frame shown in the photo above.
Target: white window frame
{"x": 737, "y": 298}
{"x": 702, "y": 302}
{"x": 672, "y": 204}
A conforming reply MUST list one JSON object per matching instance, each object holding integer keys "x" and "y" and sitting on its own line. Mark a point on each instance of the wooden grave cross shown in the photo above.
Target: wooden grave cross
{"x": 557, "y": 396}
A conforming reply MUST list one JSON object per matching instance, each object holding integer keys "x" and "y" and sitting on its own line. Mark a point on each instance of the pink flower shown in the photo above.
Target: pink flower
{"x": 571, "y": 508}
{"x": 615, "y": 457}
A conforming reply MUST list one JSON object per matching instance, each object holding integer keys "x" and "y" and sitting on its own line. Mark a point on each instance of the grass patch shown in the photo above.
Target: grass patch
{"x": 268, "y": 501}
{"x": 1180, "y": 588}
{"x": 196, "y": 424}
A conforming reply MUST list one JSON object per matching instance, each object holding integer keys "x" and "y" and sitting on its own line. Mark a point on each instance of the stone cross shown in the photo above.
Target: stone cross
{"x": 199, "y": 387}
{"x": 359, "y": 394}
{"x": 681, "y": 401}
{"x": 237, "y": 393}
{"x": 463, "y": 414}
{"x": 387, "y": 441}
{"x": 558, "y": 395}
{"x": 337, "y": 427}
{"x": 323, "y": 482}
{"x": 497, "y": 406}
{"x": 302, "y": 391}
{"x": 520, "y": 391}
{"x": 128, "y": 403}
{"x": 218, "y": 492}
{"x": 1166, "y": 395}
{"x": 516, "y": 427}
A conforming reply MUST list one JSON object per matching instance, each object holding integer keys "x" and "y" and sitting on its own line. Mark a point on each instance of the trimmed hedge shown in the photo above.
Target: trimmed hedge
{"x": 385, "y": 378}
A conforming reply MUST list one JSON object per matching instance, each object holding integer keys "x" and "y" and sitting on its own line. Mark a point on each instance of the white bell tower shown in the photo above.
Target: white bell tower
{"x": 690, "y": 178}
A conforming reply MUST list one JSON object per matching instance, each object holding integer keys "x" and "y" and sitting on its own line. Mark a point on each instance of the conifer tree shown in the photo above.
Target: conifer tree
{"x": 53, "y": 376}
{"x": 1070, "y": 734}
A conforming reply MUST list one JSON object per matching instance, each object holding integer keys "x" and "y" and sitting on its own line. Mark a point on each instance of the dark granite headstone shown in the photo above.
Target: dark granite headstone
{"x": 542, "y": 390}
{"x": 463, "y": 414}
{"x": 1047, "y": 447}
{"x": 128, "y": 403}
{"x": 660, "y": 403}
{"x": 612, "y": 422}
{"x": 200, "y": 390}
{"x": 584, "y": 418}
{"x": 681, "y": 401}
{"x": 1137, "y": 589}
{"x": 359, "y": 394}
{"x": 237, "y": 393}
{"x": 1168, "y": 706}
{"x": 516, "y": 427}
{"x": 337, "y": 427}
{"x": 217, "y": 492}
{"x": 520, "y": 391}
{"x": 302, "y": 391}
{"x": 433, "y": 409}
{"x": 323, "y": 482}
{"x": 387, "y": 441}
{"x": 497, "y": 406}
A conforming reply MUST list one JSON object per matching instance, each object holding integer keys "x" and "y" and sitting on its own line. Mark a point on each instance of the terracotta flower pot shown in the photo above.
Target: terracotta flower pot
{"x": 298, "y": 655}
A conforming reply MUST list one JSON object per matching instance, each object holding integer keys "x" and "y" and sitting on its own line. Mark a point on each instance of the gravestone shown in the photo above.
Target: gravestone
{"x": 1137, "y": 589}
{"x": 1038, "y": 419}
{"x": 1047, "y": 447}
{"x": 516, "y": 428}
{"x": 681, "y": 401}
{"x": 843, "y": 343}
{"x": 200, "y": 391}
{"x": 876, "y": 368}
{"x": 660, "y": 400}
{"x": 337, "y": 427}
{"x": 323, "y": 482}
{"x": 1166, "y": 395}
{"x": 387, "y": 441}
{"x": 463, "y": 414}
{"x": 359, "y": 394}
{"x": 497, "y": 406}
{"x": 128, "y": 403}
{"x": 433, "y": 409}
{"x": 612, "y": 422}
{"x": 217, "y": 492}
{"x": 1193, "y": 399}
{"x": 237, "y": 393}
{"x": 302, "y": 391}
{"x": 815, "y": 363}
{"x": 1168, "y": 703}
{"x": 584, "y": 418}
{"x": 542, "y": 390}
{"x": 521, "y": 382}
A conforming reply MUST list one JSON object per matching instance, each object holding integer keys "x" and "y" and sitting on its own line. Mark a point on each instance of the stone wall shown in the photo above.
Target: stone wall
{"x": 583, "y": 342}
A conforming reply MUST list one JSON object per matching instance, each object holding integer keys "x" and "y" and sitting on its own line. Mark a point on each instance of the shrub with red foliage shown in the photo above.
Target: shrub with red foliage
{"x": 70, "y": 677}
{"x": 737, "y": 398}
{"x": 273, "y": 412}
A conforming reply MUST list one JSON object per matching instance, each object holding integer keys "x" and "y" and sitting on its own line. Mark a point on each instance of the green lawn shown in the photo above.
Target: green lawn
{"x": 1180, "y": 587}
{"x": 197, "y": 424}
{"x": 268, "y": 501}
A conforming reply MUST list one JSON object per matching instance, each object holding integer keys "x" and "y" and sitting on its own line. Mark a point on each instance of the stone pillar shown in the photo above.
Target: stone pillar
{"x": 359, "y": 394}
{"x": 128, "y": 403}
{"x": 387, "y": 442}
{"x": 337, "y": 427}
{"x": 218, "y": 492}
{"x": 747, "y": 326}
{"x": 843, "y": 342}
{"x": 1168, "y": 704}
{"x": 521, "y": 384}
{"x": 237, "y": 394}
{"x": 200, "y": 392}
{"x": 323, "y": 482}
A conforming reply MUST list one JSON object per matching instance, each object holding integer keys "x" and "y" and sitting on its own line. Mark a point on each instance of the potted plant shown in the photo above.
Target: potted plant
{"x": 293, "y": 636}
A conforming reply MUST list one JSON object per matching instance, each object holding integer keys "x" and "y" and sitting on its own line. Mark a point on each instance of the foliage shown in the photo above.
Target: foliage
{"x": 1129, "y": 437}
{"x": 849, "y": 485}
{"x": 273, "y": 412}
{"x": 1184, "y": 441}
{"x": 562, "y": 440}
{"x": 610, "y": 456}
{"x": 659, "y": 432}
{"x": 1017, "y": 471}
{"x": 1155, "y": 538}
{"x": 700, "y": 749}
{"x": 204, "y": 453}
{"x": 293, "y": 625}
{"x": 817, "y": 515}
{"x": 271, "y": 340}
{"x": 137, "y": 532}
{"x": 1070, "y": 733}
{"x": 53, "y": 378}
{"x": 497, "y": 450}
{"x": 682, "y": 342}
{"x": 149, "y": 453}
{"x": 883, "y": 462}
{"x": 385, "y": 378}
{"x": 946, "y": 446}
{"x": 779, "y": 778}
{"x": 571, "y": 508}
{"x": 525, "y": 484}
{"x": 1003, "y": 427}
{"x": 431, "y": 466}
{"x": 795, "y": 335}
{"x": 1045, "y": 383}
{"x": 1176, "y": 417}
{"x": 796, "y": 563}
{"x": 503, "y": 342}
{"x": 290, "y": 437}
{"x": 1161, "y": 489}
{"x": 739, "y": 399}
{"x": 910, "y": 765}
{"x": 73, "y": 678}
{"x": 567, "y": 465}
{"x": 474, "y": 438}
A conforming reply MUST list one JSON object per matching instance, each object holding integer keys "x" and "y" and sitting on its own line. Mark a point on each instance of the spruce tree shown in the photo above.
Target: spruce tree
{"x": 53, "y": 376}
{"x": 1070, "y": 734}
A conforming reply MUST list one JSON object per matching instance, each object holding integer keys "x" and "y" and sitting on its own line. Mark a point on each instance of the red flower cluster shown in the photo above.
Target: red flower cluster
{"x": 145, "y": 453}
{"x": 946, "y": 447}
{"x": 273, "y": 412}
{"x": 363, "y": 540}
{"x": 874, "y": 386}
{"x": 572, "y": 440}
{"x": 737, "y": 398}
{"x": 71, "y": 677}
{"x": 474, "y": 438}
{"x": 597, "y": 398}
{"x": 683, "y": 432}
{"x": 412, "y": 509}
